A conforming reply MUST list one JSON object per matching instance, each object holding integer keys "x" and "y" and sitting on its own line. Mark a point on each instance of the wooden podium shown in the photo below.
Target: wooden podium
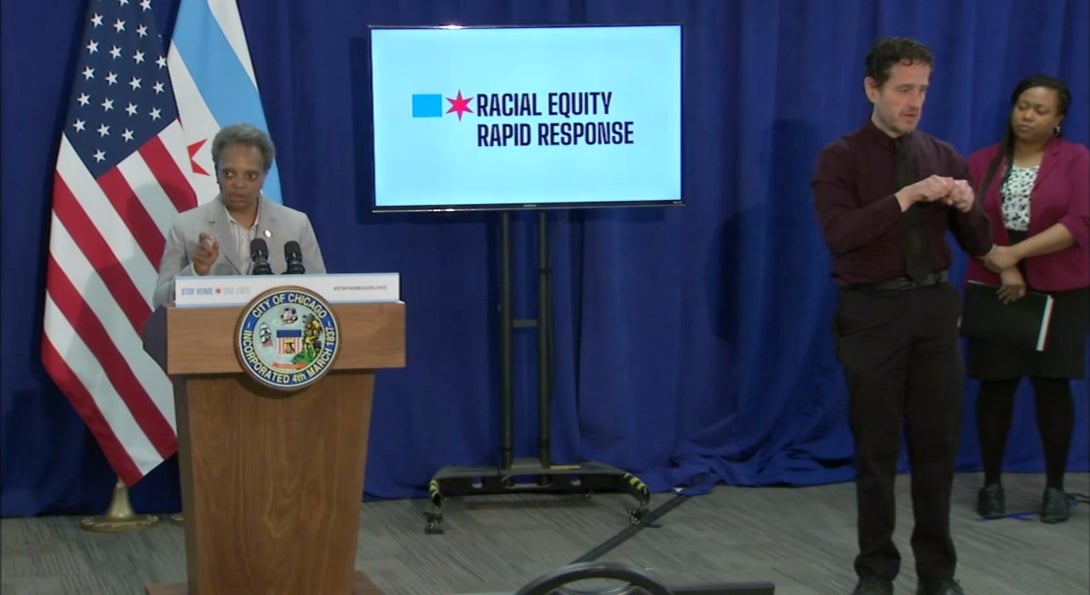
{"x": 272, "y": 481}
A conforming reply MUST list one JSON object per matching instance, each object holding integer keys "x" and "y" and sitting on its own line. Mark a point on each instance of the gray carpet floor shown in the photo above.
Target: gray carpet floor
{"x": 800, "y": 539}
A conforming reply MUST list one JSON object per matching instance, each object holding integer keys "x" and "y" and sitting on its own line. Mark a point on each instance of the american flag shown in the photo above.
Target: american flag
{"x": 121, "y": 179}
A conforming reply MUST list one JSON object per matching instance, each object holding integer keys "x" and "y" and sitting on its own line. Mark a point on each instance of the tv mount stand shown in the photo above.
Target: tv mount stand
{"x": 528, "y": 475}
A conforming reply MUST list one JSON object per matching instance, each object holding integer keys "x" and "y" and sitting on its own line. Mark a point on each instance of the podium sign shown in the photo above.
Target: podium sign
{"x": 272, "y": 477}
{"x": 351, "y": 288}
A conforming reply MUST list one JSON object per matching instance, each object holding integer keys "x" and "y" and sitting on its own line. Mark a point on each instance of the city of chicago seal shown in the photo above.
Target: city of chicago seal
{"x": 287, "y": 338}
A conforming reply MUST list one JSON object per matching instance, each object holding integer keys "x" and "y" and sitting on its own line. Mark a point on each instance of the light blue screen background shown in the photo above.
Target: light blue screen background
{"x": 423, "y": 162}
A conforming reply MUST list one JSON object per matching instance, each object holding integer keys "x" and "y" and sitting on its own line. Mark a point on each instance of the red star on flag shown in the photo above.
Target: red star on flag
{"x": 459, "y": 105}
{"x": 197, "y": 169}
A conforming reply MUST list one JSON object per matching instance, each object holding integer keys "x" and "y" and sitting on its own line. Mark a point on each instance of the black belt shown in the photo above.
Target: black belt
{"x": 903, "y": 283}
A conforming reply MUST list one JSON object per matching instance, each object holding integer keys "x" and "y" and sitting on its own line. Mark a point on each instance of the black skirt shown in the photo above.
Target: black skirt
{"x": 1064, "y": 355}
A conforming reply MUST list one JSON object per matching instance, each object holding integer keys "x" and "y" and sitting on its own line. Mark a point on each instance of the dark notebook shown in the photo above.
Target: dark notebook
{"x": 1022, "y": 323}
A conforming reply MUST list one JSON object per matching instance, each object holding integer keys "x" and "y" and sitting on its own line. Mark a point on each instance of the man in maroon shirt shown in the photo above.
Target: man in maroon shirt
{"x": 885, "y": 195}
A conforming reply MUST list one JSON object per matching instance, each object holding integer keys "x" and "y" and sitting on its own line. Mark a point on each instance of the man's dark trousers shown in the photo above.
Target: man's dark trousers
{"x": 901, "y": 356}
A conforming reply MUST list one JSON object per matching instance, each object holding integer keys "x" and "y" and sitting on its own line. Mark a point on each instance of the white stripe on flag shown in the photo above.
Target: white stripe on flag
{"x": 173, "y": 139}
{"x": 226, "y": 14}
{"x": 151, "y": 195}
{"x": 85, "y": 366}
{"x": 198, "y": 125}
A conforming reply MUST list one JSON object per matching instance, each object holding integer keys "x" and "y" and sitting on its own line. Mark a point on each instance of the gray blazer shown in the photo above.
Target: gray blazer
{"x": 276, "y": 224}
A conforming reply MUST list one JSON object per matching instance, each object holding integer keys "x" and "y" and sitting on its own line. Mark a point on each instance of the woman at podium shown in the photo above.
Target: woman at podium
{"x": 231, "y": 234}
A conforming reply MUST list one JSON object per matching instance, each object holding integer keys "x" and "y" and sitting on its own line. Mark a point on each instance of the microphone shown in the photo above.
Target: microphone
{"x": 259, "y": 253}
{"x": 294, "y": 256}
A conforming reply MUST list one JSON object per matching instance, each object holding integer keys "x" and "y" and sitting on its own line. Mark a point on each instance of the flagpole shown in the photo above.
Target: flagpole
{"x": 119, "y": 517}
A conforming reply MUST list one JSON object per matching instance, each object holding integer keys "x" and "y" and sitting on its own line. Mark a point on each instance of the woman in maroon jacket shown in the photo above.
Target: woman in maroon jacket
{"x": 1036, "y": 189}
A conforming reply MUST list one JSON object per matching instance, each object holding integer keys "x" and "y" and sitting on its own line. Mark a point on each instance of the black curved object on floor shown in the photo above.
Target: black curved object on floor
{"x": 639, "y": 583}
{"x": 553, "y": 582}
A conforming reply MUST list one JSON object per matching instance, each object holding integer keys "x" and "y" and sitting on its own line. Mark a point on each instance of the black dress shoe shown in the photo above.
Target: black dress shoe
{"x": 1054, "y": 506}
{"x": 873, "y": 585}
{"x": 946, "y": 587}
{"x": 990, "y": 502}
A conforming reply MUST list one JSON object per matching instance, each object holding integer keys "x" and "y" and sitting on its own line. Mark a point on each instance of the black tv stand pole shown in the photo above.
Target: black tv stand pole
{"x": 515, "y": 475}
{"x": 507, "y": 383}
{"x": 544, "y": 342}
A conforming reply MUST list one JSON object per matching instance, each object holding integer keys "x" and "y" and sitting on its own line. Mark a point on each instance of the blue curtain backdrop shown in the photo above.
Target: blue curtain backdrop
{"x": 693, "y": 344}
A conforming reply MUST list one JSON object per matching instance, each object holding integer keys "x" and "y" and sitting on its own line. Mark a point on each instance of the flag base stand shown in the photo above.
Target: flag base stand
{"x": 120, "y": 517}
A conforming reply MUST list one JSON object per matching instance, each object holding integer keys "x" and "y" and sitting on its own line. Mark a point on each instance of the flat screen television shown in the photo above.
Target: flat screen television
{"x": 517, "y": 117}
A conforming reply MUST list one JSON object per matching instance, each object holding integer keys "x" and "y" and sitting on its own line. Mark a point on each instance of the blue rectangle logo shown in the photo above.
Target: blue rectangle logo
{"x": 428, "y": 105}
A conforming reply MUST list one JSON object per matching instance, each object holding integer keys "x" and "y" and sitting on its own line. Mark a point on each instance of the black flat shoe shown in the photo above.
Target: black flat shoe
{"x": 990, "y": 502}
{"x": 1054, "y": 506}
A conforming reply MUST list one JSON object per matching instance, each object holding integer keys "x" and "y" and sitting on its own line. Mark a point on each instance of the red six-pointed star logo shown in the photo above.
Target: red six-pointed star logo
{"x": 459, "y": 105}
